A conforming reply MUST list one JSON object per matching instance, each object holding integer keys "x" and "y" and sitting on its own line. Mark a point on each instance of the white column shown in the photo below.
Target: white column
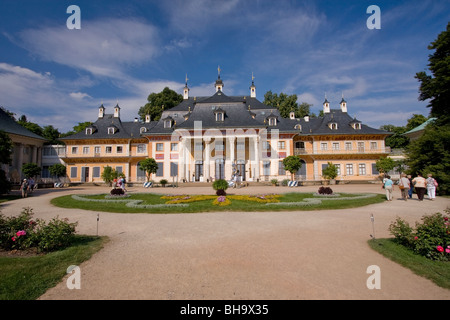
{"x": 232, "y": 153}
{"x": 206, "y": 164}
{"x": 257, "y": 165}
{"x": 181, "y": 158}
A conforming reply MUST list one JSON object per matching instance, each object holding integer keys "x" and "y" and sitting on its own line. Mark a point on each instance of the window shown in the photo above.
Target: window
{"x": 281, "y": 170}
{"x": 74, "y": 150}
{"x": 281, "y": 145}
{"x": 108, "y": 149}
{"x": 272, "y": 121}
{"x": 119, "y": 149}
{"x": 348, "y": 146}
{"x": 160, "y": 171}
{"x": 111, "y": 130}
{"x": 349, "y": 168}
{"x": 174, "y": 169}
{"x": 266, "y": 145}
{"x": 141, "y": 148}
{"x": 373, "y": 146}
{"x": 97, "y": 150}
{"x": 266, "y": 168}
{"x": 174, "y": 147}
{"x": 360, "y": 146}
{"x": 338, "y": 167}
{"x": 333, "y": 126}
{"x": 88, "y": 131}
{"x": 73, "y": 172}
{"x": 167, "y": 123}
{"x": 300, "y": 145}
{"x": 375, "y": 171}
{"x": 85, "y": 150}
{"x": 143, "y": 129}
{"x": 357, "y": 126}
{"x": 362, "y": 169}
{"x": 159, "y": 147}
{"x": 324, "y": 146}
{"x": 298, "y": 127}
{"x": 119, "y": 169}
{"x": 96, "y": 172}
{"x": 219, "y": 116}
{"x": 335, "y": 145}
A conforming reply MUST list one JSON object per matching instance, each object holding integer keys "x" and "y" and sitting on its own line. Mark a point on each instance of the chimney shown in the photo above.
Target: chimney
{"x": 147, "y": 118}
{"x": 292, "y": 115}
{"x": 306, "y": 118}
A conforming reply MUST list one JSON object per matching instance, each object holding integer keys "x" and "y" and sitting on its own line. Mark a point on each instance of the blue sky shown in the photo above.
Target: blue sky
{"x": 126, "y": 50}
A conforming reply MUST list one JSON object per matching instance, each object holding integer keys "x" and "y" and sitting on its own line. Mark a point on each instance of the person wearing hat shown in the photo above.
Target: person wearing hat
{"x": 24, "y": 188}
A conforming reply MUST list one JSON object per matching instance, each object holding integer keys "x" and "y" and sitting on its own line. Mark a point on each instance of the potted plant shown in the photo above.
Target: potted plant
{"x": 330, "y": 173}
{"x": 163, "y": 182}
{"x": 274, "y": 182}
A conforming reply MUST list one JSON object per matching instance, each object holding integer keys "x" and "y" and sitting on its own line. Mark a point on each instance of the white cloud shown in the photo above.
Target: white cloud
{"x": 79, "y": 95}
{"x": 102, "y": 47}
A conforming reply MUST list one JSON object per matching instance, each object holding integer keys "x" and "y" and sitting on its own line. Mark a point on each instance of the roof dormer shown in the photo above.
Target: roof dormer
{"x": 272, "y": 120}
{"x": 112, "y": 129}
{"x": 168, "y": 122}
{"x": 219, "y": 114}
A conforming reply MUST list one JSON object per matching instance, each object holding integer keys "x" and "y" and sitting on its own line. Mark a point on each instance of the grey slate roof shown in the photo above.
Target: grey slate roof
{"x": 8, "y": 125}
{"x": 125, "y": 130}
{"x": 248, "y": 112}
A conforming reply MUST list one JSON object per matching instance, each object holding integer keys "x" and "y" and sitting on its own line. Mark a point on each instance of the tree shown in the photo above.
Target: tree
{"x": 148, "y": 165}
{"x": 330, "y": 172}
{"x": 286, "y": 103}
{"x": 435, "y": 87}
{"x": 415, "y": 121}
{"x": 58, "y": 170}
{"x": 157, "y": 102}
{"x": 292, "y": 164}
{"x": 31, "y": 170}
{"x": 108, "y": 175}
{"x": 33, "y": 127}
{"x": 430, "y": 153}
{"x": 384, "y": 165}
{"x": 52, "y": 135}
{"x": 6, "y": 147}
{"x": 397, "y": 139}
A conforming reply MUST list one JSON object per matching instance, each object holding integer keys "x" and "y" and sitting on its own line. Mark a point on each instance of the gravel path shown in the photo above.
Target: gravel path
{"x": 239, "y": 255}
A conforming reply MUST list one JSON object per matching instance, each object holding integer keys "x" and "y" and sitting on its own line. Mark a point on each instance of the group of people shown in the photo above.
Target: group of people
{"x": 407, "y": 185}
{"x": 120, "y": 183}
{"x": 27, "y": 186}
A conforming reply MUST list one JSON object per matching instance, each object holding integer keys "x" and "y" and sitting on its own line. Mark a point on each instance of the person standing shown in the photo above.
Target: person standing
{"x": 404, "y": 186}
{"x": 24, "y": 188}
{"x": 411, "y": 186}
{"x": 389, "y": 187}
{"x": 431, "y": 187}
{"x": 420, "y": 186}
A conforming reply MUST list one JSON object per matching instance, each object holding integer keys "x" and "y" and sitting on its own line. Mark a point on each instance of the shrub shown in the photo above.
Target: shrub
{"x": 325, "y": 190}
{"x": 163, "y": 182}
{"x": 274, "y": 182}
{"x": 117, "y": 192}
{"x": 285, "y": 182}
{"x": 431, "y": 237}
{"x": 220, "y": 186}
{"x": 23, "y": 233}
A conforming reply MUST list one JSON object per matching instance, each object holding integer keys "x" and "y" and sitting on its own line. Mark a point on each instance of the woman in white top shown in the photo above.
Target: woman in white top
{"x": 431, "y": 187}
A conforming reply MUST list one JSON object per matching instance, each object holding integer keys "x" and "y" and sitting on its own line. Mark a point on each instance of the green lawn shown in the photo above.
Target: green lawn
{"x": 155, "y": 203}
{"x": 28, "y": 277}
{"x": 437, "y": 271}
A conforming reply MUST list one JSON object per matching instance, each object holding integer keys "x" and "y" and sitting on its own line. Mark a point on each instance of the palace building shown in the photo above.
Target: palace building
{"x": 218, "y": 136}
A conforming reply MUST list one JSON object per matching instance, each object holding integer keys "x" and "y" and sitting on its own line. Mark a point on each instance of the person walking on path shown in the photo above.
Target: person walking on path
{"x": 24, "y": 188}
{"x": 389, "y": 187}
{"x": 411, "y": 186}
{"x": 404, "y": 186}
{"x": 431, "y": 187}
{"x": 420, "y": 186}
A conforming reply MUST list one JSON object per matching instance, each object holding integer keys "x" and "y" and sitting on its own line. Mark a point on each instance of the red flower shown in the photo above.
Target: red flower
{"x": 440, "y": 249}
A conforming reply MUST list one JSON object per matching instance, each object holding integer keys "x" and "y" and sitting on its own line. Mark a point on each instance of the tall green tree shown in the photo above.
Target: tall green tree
{"x": 150, "y": 166}
{"x": 397, "y": 139}
{"x": 431, "y": 152}
{"x": 52, "y": 135}
{"x": 286, "y": 104}
{"x": 6, "y": 146}
{"x": 157, "y": 102}
{"x": 33, "y": 127}
{"x": 31, "y": 170}
{"x": 436, "y": 87}
{"x": 292, "y": 164}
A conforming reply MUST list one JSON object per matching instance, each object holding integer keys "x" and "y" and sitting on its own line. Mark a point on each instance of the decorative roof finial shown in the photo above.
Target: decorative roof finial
{"x": 218, "y": 71}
